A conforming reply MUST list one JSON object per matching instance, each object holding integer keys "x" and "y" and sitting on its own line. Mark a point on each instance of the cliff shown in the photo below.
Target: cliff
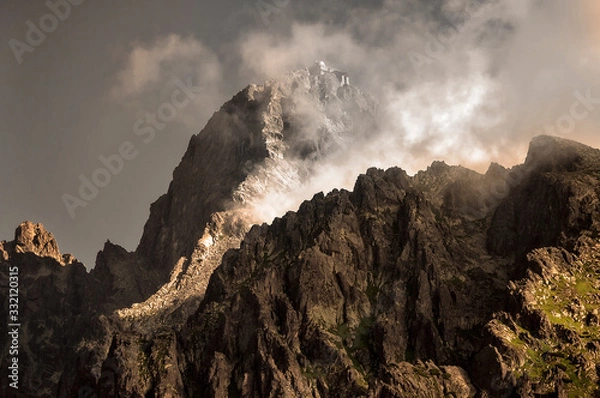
{"x": 445, "y": 283}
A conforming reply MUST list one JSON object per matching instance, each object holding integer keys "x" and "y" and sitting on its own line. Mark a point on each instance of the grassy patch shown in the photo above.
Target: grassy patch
{"x": 566, "y": 299}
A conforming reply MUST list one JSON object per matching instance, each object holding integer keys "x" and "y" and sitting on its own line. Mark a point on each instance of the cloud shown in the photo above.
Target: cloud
{"x": 151, "y": 71}
{"x": 466, "y": 81}
{"x": 267, "y": 55}
{"x": 167, "y": 57}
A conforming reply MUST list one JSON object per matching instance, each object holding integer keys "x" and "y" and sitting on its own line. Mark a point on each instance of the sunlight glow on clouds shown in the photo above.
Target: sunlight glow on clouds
{"x": 511, "y": 67}
{"x": 442, "y": 115}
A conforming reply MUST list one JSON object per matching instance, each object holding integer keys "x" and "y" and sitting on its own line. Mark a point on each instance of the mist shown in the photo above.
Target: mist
{"x": 468, "y": 83}
{"x": 465, "y": 81}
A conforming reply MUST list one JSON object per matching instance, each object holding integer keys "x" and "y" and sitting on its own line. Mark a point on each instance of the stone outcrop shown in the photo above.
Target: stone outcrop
{"x": 33, "y": 238}
{"x": 53, "y": 309}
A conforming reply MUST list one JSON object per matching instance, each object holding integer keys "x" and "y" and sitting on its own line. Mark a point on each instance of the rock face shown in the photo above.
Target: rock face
{"x": 33, "y": 238}
{"x": 446, "y": 283}
{"x": 266, "y": 138}
{"x": 352, "y": 295}
{"x": 53, "y": 309}
{"x": 400, "y": 288}
{"x": 263, "y": 142}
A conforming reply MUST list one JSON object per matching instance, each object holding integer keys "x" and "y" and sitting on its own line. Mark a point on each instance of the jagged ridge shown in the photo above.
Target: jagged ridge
{"x": 433, "y": 285}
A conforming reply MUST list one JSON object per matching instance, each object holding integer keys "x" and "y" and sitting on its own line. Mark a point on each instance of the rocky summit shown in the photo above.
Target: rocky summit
{"x": 448, "y": 283}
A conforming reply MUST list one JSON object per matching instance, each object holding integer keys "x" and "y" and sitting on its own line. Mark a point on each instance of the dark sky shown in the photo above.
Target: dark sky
{"x": 467, "y": 81}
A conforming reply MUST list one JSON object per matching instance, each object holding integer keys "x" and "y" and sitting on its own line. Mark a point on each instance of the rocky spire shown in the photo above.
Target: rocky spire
{"x": 267, "y": 138}
{"x": 34, "y": 238}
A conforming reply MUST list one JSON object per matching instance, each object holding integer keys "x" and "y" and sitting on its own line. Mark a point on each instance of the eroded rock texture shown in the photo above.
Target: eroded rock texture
{"x": 446, "y": 283}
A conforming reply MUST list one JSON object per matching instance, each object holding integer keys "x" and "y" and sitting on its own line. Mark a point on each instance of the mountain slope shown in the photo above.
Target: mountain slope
{"x": 396, "y": 289}
{"x": 266, "y": 140}
{"x": 446, "y": 283}
{"x": 262, "y": 143}
{"x": 258, "y": 145}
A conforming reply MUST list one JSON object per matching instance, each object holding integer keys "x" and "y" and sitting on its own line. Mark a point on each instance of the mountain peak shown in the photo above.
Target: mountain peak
{"x": 320, "y": 68}
{"x": 549, "y": 153}
{"x": 34, "y": 238}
